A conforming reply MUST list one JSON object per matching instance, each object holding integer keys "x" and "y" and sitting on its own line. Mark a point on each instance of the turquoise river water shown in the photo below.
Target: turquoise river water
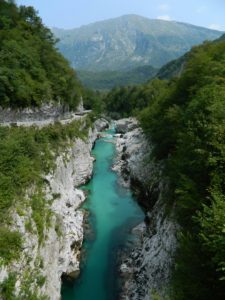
{"x": 113, "y": 212}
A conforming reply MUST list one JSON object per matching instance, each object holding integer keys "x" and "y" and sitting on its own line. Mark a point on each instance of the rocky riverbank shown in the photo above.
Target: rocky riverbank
{"x": 59, "y": 253}
{"x": 146, "y": 269}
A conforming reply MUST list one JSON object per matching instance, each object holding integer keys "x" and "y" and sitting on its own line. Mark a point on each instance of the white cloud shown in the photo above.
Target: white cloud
{"x": 164, "y": 7}
{"x": 164, "y": 18}
{"x": 216, "y": 27}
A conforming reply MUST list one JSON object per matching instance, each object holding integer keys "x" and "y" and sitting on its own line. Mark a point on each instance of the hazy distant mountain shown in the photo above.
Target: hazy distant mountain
{"x": 175, "y": 67}
{"x": 222, "y": 38}
{"x": 106, "y": 80}
{"x": 128, "y": 42}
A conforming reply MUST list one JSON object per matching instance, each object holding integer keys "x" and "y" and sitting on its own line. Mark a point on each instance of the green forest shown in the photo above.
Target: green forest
{"x": 185, "y": 122}
{"x": 106, "y": 80}
{"x": 32, "y": 71}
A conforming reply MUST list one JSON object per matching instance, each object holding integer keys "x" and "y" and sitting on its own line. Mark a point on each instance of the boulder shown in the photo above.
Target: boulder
{"x": 125, "y": 125}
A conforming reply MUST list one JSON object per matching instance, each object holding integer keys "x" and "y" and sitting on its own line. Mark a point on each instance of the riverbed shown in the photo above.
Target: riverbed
{"x": 113, "y": 212}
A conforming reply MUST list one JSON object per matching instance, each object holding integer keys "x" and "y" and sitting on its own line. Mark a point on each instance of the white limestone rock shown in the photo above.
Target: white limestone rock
{"x": 125, "y": 125}
{"x": 101, "y": 124}
{"x": 49, "y": 110}
{"x": 60, "y": 251}
{"x": 151, "y": 258}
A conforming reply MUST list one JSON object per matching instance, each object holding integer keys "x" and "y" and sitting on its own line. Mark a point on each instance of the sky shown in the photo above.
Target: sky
{"x": 75, "y": 13}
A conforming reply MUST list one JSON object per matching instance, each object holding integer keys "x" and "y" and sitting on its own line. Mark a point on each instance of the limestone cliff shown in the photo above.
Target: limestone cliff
{"x": 42, "y": 263}
{"x": 47, "y": 111}
{"x": 147, "y": 269}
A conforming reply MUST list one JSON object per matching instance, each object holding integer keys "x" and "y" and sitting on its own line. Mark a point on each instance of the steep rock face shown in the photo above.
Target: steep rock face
{"x": 133, "y": 152}
{"x": 59, "y": 252}
{"x": 101, "y": 124}
{"x": 125, "y": 125}
{"x": 147, "y": 268}
{"x": 62, "y": 253}
{"x": 46, "y": 111}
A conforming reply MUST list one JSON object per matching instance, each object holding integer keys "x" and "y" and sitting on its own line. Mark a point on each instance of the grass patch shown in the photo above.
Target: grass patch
{"x": 7, "y": 287}
{"x": 10, "y": 245}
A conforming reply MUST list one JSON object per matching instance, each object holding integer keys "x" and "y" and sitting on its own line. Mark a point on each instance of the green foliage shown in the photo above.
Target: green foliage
{"x": 31, "y": 296}
{"x": 107, "y": 80}
{"x": 7, "y": 287}
{"x": 40, "y": 280}
{"x": 10, "y": 245}
{"x": 212, "y": 232}
{"x": 27, "y": 281}
{"x": 93, "y": 100}
{"x": 156, "y": 296}
{"x": 186, "y": 125}
{"x": 32, "y": 71}
{"x": 174, "y": 68}
{"x": 31, "y": 282}
{"x": 192, "y": 278}
{"x": 40, "y": 214}
{"x": 125, "y": 101}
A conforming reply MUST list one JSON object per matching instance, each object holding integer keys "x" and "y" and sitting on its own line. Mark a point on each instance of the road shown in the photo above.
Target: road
{"x": 42, "y": 123}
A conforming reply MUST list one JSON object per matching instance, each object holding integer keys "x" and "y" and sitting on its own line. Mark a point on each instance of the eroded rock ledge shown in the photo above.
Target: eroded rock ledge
{"x": 147, "y": 268}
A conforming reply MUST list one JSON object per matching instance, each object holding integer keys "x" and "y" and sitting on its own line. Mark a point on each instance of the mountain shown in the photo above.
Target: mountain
{"x": 129, "y": 41}
{"x": 222, "y": 38}
{"x": 173, "y": 68}
{"x": 105, "y": 80}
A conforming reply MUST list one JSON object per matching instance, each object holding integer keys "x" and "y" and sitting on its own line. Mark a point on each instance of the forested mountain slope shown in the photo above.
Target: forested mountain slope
{"x": 32, "y": 71}
{"x": 175, "y": 67}
{"x": 106, "y": 80}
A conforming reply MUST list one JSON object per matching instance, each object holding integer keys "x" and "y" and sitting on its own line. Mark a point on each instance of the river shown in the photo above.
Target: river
{"x": 113, "y": 213}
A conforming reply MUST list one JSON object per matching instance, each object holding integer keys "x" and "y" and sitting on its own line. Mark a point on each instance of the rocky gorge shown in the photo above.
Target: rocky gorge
{"x": 145, "y": 270}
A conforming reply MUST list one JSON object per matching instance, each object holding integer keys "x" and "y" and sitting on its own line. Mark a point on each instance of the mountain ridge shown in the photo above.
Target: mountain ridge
{"x": 131, "y": 16}
{"x": 129, "y": 41}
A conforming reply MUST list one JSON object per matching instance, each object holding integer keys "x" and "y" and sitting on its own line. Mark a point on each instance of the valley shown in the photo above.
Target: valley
{"x": 112, "y": 159}
{"x": 118, "y": 51}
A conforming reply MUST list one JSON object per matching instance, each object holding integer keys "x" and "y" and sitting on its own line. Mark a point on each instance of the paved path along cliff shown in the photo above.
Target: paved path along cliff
{"x": 46, "y": 114}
